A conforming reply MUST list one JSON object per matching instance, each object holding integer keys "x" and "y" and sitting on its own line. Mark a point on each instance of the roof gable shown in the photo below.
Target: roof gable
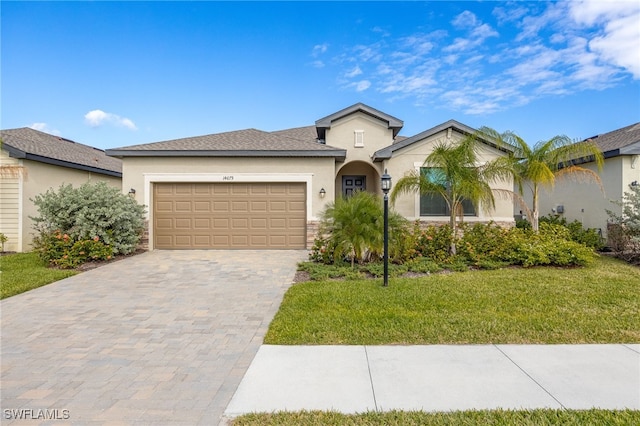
{"x": 325, "y": 123}
{"x": 38, "y": 146}
{"x": 454, "y": 125}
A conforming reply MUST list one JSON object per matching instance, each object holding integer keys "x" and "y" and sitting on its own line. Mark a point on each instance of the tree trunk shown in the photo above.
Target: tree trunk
{"x": 452, "y": 222}
{"x": 534, "y": 212}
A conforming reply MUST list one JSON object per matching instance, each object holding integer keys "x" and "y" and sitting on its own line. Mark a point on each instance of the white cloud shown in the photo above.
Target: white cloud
{"x": 354, "y": 72}
{"x": 465, "y": 19}
{"x": 319, "y": 49}
{"x": 44, "y": 127}
{"x": 97, "y": 118}
{"x": 317, "y": 64}
{"x": 620, "y": 43}
{"x": 545, "y": 49}
{"x": 363, "y": 85}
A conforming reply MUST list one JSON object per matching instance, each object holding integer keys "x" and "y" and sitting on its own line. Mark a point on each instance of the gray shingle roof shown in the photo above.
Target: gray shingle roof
{"x": 35, "y": 145}
{"x": 622, "y": 141}
{"x": 240, "y": 143}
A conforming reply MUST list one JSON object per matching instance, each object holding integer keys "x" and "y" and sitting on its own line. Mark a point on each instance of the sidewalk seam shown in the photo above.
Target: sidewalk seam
{"x": 529, "y": 376}
{"x": 373, "y": 391}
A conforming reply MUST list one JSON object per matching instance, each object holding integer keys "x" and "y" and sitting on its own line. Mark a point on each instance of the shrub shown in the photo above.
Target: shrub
{"x": 588, "y": 236}
{"x": 423, "y": 265}
{"x": 353, "y": 228}
{"x": 3, "y": 239}
{"x": 434, "y": 242}
{"x": 627, "y": 225}
{"x": 93, "y": 209}
{"x": 61, "y": 250}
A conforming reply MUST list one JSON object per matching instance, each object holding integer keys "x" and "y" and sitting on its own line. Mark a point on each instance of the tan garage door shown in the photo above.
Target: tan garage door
{"x": 229, "y": 215}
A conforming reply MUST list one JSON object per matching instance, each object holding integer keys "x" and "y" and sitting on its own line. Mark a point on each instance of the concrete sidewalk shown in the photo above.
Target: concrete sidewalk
{"x": 352, "y": 379}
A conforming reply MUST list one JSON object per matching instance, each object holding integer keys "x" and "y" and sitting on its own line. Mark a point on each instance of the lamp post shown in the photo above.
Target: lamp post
{"x": 386, "y": 186}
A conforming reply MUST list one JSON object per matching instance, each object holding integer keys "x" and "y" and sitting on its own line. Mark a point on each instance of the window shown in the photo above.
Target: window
{"x": 435, "y": 204}
{"x": 358, "y": 137}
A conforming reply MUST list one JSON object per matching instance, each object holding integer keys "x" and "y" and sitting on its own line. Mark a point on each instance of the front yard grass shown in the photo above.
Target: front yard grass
{"x": 472, "y": 417}
{"x": 543, "y": 305}
{"x": 22, "y": 272}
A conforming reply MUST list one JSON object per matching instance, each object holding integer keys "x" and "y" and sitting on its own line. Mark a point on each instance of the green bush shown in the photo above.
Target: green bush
{"x": 93, "y": 209}
{"x": 61, "y": 250}
{"x": 3, "y": 239}
{"x": 423, "y": 265}
{"x": 588, "y": 236}
{"x": 434, "y": 242}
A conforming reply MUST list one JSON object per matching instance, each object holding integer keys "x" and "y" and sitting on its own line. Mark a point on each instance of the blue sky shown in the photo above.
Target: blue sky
{"x": 112, "y": 74}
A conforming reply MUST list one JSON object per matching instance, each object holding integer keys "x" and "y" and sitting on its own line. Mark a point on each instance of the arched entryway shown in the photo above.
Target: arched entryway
{"x": 357, "y": 176}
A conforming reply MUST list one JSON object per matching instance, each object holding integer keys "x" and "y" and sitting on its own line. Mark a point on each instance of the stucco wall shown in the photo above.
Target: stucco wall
{"x": 139, "y": 172}
{"x": 584, "y": 201}
{"x": 41, "y": 177}
{"x": 412, "y": 158}
{"x": 377, "y": 135}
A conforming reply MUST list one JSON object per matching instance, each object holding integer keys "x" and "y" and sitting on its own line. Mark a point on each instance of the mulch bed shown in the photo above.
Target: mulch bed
{"x": 98, "y": 263}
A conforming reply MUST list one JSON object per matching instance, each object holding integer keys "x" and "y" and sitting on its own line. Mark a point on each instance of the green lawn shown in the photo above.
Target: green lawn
{"x": 484, "y": 417}
{"x": 595, "y": 304}
{"x": 25, "y": 271}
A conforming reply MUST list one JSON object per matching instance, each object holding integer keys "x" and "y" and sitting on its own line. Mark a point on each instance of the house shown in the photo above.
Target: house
{"x": 32, "y": 162}
{"x": 585, "y": 202}
{"x": 257, "y": 189}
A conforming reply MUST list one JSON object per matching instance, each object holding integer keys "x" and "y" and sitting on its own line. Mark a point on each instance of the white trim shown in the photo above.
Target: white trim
{"x": 473, "y": 219}
{"x": 150, "y": 178}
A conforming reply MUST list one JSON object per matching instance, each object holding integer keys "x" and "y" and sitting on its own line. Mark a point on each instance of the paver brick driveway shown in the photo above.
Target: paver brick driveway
{"x": 160, "y": 338}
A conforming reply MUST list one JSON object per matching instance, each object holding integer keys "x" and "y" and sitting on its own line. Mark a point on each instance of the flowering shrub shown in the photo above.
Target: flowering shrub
{"x": 434, "y": 242}
{"x": 61, "y": 250}
{"x": 93, "y": 209}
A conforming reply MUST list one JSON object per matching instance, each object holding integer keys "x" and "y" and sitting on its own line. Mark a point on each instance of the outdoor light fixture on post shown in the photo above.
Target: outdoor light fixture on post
{"x": 386, "y": 186}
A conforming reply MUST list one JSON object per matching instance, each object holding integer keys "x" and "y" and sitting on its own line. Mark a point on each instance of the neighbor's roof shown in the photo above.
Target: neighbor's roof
{"x": 240, "y": 143}
{"x": 387, "y": 152}
{"x": 625, "y": 141}
{"x": 35, "y": 145}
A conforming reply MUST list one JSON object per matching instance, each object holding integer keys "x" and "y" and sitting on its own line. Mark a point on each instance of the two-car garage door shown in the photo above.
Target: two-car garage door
{"x": 269, "y": 215}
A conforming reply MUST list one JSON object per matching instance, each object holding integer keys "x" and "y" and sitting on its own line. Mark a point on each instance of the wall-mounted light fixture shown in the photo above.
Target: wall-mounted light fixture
{"x": 322, "y": 192}
{"x": 634, "y": 183}
{"x": 132, "y": 193}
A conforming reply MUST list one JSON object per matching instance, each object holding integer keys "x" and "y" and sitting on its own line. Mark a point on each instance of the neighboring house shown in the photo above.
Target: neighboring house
{"x": 257, "y": 189}
{"x": 584, "y": 201}
{"x": 32, "y": 162}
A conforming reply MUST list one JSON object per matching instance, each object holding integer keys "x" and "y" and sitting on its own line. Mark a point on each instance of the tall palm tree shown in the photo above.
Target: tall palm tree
{"x": 456, "y": 175}
{"x": 540, "y": 165}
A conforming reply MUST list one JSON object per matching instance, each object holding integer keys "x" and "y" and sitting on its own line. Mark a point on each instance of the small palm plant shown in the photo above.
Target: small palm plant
{"x": 355, "y": 227}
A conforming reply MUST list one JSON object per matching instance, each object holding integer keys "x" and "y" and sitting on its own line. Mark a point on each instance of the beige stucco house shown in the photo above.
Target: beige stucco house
{"x": 257, "y": 189}
{"x": 585, "y": 202}
{"x": 32, "y": 162}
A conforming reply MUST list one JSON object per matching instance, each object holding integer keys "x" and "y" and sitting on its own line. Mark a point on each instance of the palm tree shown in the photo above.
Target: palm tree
{"x": 455, "y": 174}
{"x": 547, "y": 161}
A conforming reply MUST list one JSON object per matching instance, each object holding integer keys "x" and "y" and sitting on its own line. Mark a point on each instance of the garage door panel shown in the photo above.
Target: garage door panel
{"x": 202, "y": 223}
{"x": 183, "y": 223}
{"x": 203, "y": 241}
{"x": 229, "y": 215}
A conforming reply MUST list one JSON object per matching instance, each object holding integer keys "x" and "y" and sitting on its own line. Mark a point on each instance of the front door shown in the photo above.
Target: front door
{"x": 350, "y": 184}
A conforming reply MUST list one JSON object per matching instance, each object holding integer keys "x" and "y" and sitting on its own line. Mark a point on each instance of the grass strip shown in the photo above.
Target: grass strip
{"x": 22, "y": 272}
{"x": 595, "y": 304}
{"x": 473, "y": 417}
